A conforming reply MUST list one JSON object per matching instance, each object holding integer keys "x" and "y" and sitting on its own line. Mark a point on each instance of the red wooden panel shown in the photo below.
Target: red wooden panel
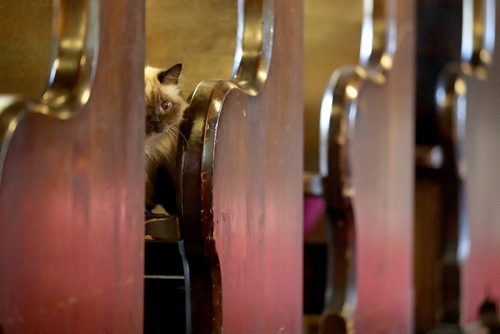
{"x": 257, "y": 214}
{"x": 481, "y": 275}
{"x": 366, "y": 158}
{"x": 383, "y": 178}
{"x": 71, "y": 201}
{"x": 242, "y": 171}
{"x": 459, "y": 230}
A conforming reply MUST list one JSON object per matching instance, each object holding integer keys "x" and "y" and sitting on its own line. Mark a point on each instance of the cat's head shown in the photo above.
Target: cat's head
{"x": 165, "y": 105}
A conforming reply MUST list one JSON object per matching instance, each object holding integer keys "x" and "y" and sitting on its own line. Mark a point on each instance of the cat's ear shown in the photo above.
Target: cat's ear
{"x": 170, "y": 76}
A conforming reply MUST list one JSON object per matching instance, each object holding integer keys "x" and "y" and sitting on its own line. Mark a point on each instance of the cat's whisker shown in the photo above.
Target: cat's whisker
{"x": 165, "y": 110}
{"x": 179, "y": 132}
{"x": 171, "y": 136}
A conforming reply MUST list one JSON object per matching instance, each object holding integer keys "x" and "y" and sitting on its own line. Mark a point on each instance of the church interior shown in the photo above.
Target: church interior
{"x": 331, "y": 169}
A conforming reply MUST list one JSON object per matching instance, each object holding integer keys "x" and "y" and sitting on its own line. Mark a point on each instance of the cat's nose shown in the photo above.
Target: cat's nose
{"x": 156, "y": 119}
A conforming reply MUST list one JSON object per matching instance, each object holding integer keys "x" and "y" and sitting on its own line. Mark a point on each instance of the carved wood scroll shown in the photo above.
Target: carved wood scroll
{"x": 477, "y": 45}
{"x": 338, "y": 116}
{"x": 339, "y": 113}
{"x": 252, "y": 58}
{"x": 72, "y": 192}
{"x": 75, "y": 29}
{"x": 241, "y": 180}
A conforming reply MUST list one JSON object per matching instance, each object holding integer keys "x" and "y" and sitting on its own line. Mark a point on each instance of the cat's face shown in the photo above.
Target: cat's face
{"x": 165, "y": 104}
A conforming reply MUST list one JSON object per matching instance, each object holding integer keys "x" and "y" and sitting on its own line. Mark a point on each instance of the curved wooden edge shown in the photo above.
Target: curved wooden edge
{"x": 451, "y": 106}
{"x": 337, "y": 127}
{"x": 378, "y": 38}
{"x": 478, "y": 40}
{"x": 450, "y": 99}
{"x": 76, "y": 37}
{"x": 196, "y": 201}
{"x": 254, "y": 45}
{"x": 252, "y": 60}
{"x": 478, "y": 35}
{"x": 338, "y": 116}
{"x": 12, "y": 110}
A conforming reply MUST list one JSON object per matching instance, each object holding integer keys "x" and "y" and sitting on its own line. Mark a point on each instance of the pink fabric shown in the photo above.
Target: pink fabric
{"x": 314, "y": 209}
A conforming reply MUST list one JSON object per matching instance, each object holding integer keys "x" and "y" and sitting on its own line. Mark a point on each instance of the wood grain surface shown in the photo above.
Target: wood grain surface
{"x": 482, "y": 268}
{"x": 71, "y": 201}
{"x": 242, "y": 172}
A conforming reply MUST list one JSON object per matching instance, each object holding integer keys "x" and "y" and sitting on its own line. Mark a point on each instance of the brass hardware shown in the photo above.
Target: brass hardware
{"x": 75, "y": 36}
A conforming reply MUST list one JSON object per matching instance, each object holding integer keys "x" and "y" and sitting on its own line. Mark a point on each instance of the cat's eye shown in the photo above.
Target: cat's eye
{"x": 165, "y": 105}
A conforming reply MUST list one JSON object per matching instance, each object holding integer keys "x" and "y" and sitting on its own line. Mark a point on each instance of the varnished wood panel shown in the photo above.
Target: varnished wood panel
{"x": 482, "y": 267}
{"x": 377, "y": 178}
{"x": 71, "y": 201}
{"x": 383, "y": 169}
{"x": 241, "y": 165}
{"x": 456, "y": 267}
{"x": 257, "y": 226}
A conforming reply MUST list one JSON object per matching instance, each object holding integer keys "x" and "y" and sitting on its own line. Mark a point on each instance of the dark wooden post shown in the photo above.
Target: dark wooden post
{"x": 71, "y": 196}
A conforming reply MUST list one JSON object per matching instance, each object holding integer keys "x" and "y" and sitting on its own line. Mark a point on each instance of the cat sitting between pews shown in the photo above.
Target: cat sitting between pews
{"x": 165, "y": 108}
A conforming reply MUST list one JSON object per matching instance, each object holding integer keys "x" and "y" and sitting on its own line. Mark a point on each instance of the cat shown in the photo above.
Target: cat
{"x": 165, "y": 110}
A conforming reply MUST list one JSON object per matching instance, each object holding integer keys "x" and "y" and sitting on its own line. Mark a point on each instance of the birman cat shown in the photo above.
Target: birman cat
{"x": 165, "y": 108}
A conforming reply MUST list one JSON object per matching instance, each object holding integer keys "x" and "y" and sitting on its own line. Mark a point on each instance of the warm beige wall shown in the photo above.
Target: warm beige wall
{"x": 204, "y": 43}
{"x": 332, "y": 32}
{"x": 25, "y": 46}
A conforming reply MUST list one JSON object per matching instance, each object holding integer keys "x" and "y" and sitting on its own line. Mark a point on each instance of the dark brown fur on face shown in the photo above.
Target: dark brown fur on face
{"x": 165, "y": 108}
{"x": 164, "y": 101}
